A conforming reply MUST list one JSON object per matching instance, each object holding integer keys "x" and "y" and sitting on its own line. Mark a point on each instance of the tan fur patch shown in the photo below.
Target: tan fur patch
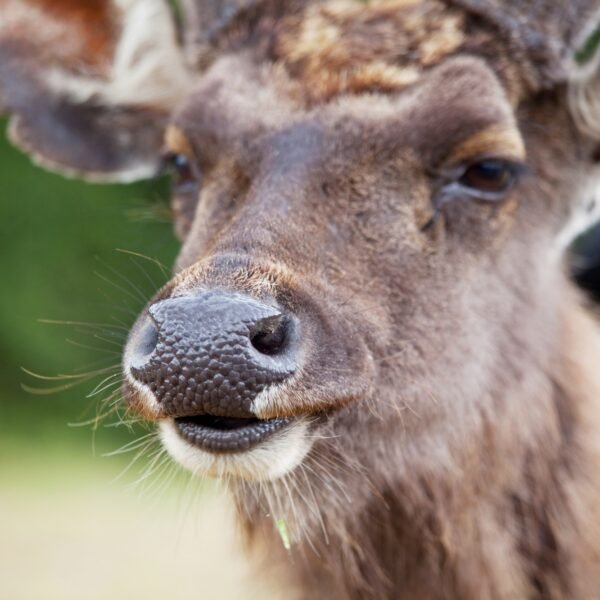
{"x": 94, "y": 21}
{"x": 92, "y": 27}
{"x": 345, "y": 46}
{"x": 497, "y": 140}
{"x": 176, "y": 141}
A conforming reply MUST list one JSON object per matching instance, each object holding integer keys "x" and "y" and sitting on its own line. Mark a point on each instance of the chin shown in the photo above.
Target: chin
{"x": 273, "y": 457}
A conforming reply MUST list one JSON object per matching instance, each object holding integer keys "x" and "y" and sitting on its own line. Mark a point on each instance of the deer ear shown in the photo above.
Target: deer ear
{"x": 584, "y": 104}
{"x": 584, "y": 87}
{"x": 90, "y": 85}
{"x": 207, "y": 22}
{"x": 543, "y": 34}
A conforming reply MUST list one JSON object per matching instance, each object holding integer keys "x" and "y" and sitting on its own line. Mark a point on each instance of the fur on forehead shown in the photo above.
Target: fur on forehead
{"x": 352, "y": 46}
{"x": 344, "y": 46}
{"x": 336, "y": 47}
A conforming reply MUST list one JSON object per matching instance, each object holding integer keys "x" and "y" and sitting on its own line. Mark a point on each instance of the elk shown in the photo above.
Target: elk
{"x": 370, "y": 334}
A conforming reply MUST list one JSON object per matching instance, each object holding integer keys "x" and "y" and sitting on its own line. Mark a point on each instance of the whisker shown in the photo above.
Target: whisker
{"x": 140, "y": 268}
{"x": 112, "y": 338}
{"x": 105, "y": 384}
{"x": 315, "y": 505}
{"x": 95, "y": 365}
{"x": 133, "y": 296}
{"x": 114, "y": 307}
{"x": 105, "y": 326}
{"x": 121, "y": 322}
{"x": 52, "y": 390}
{"x": 94, "y": 348}
{"x": 128, "y": 282}
{"x": 164, "y": 269}
{"x": 77, "y": 376}
{"x": 154, "y": 481}
{"x": 159, "y": 455}
{"x": 123, "y": 423}
{"x": 131, "y": 446}
{"x": 93, "y": 421}
{"x": 136, "y": 458}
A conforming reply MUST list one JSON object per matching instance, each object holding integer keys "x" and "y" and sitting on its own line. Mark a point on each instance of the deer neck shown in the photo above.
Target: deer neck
{"x": 465, "y": 512}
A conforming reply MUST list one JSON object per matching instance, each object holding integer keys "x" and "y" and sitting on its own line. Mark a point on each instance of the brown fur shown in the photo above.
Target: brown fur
{"x": 95, "y": 24}
{"x": 345, "y": 47}
{"x": 462, "y": 492}
{"x": 449, "y": 367}
{"x": 93, "y": 28}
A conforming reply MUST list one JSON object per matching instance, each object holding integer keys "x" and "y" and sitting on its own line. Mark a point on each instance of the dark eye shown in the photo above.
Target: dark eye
{"x": 490, "y": 176}
{"x": 486, "y": 180}
{"x": 182, "y": 171}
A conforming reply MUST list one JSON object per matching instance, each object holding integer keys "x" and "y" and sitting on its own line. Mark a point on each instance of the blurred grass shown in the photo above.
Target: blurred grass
{"x": 72, "y": 524}
{"x": 58, "y": 248}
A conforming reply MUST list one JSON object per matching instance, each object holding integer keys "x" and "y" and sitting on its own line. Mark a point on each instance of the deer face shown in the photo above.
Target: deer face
{"x": 358, "y": 236}
{"x": 339, "y": 264}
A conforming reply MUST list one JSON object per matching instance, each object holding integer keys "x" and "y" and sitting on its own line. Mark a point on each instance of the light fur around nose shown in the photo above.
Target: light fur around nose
{"x": 272, "y": 460}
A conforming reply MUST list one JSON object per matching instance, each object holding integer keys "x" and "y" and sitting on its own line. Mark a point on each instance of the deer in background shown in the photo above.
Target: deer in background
{"x": 370, "y": 334}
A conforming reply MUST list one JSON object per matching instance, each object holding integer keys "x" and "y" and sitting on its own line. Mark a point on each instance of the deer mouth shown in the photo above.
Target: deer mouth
{"x": 227, "y": 434}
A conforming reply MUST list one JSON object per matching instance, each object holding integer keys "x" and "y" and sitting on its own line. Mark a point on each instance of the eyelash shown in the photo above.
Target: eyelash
{"x": 458, "y": 183}
{"x": 490, "y": 179}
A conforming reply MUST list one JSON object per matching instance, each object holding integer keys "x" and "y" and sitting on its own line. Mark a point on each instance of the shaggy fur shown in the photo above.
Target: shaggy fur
{"x": 448, "y": 393}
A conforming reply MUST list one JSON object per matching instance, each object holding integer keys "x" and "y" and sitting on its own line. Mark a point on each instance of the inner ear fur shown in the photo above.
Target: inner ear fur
{"x": 584, "y": 87}
{"x": 583, "y": 94}
{"x": 90, "y": 85}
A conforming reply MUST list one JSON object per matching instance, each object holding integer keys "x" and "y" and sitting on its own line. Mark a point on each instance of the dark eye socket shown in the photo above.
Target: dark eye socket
{"x": 180, "y": 168}
{"x": 490, "y": 176}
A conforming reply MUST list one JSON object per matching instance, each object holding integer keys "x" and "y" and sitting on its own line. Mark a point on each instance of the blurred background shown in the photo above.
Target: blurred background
{"x": 89, "y": 507}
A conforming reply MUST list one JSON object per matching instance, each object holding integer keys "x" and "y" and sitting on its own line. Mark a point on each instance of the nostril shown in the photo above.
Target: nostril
{"x": 144, "y": 343}
{"x": 271, "y": 336}
{"x": 212, "y": 353}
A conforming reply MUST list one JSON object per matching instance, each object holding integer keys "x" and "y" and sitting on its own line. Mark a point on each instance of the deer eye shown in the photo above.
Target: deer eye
{"x": 180, "y": 168}
{"x": 492, "y": 176}
{"x": 485, "y": 180}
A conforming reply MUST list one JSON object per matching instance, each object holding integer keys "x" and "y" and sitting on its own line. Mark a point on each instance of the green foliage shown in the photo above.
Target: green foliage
{"x": 58, "y": 248}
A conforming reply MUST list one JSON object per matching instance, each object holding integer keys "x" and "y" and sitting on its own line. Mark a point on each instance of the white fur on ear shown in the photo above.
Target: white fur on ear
{"x": 584, "y": 96}
{"x": 148, "y": 67}
{"x": 584, "y": 105}
{"x": 150, "y": 72}
{"x": 585, "y": 214}
{"x": 584, "y": 86}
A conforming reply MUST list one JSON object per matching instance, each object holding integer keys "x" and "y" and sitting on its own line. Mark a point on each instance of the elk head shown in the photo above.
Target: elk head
{"x": 372, "y": 200}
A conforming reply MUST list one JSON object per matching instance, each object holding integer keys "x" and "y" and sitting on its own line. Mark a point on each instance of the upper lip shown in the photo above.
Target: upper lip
{"x": 219, "y": 434}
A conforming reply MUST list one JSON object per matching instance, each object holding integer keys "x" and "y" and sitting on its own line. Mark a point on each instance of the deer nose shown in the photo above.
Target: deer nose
{"x": 212, "y": 353}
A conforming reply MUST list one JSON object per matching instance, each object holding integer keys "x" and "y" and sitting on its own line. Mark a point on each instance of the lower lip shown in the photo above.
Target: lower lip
{"x": 226, "y": 435}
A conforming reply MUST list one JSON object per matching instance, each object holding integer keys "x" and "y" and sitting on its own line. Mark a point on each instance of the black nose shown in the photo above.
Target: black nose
{"x": 212, "y": 353}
